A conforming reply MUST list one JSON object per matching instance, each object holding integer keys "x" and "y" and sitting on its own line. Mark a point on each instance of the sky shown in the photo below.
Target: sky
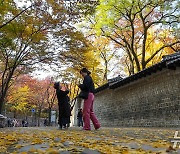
{"x": 42, "y": 74}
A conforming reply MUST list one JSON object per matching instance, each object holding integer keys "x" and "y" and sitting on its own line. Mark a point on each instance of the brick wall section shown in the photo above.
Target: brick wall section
{"x": 152, "y": 101}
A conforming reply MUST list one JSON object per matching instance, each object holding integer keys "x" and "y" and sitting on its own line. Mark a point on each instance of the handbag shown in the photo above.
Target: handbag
{"x": 84, "y": 94}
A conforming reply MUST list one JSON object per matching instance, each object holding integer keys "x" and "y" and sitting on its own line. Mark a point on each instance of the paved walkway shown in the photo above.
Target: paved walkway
{"x": 50, "y": 140}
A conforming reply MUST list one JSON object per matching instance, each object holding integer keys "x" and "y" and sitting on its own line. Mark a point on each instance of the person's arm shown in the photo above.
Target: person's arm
{"x": 86, "y": 83}
{"x": 64, "y": 93}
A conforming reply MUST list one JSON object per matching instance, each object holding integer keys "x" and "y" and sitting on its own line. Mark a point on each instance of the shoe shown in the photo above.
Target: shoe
{"x": 66, "y": 128}
{"x": 98, "y": 128}
{"x": 85, "y": 129}
{"x": 59, "y": 128}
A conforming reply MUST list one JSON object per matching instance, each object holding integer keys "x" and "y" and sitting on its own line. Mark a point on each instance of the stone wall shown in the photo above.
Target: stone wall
{"x": 152, "y": 101}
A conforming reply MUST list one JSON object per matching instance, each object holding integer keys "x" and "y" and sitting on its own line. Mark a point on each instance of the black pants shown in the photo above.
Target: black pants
{"x": 64, "y": 122}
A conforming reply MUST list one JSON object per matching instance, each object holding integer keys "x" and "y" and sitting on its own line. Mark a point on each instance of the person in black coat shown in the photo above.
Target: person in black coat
{"x": 64, "y": 106}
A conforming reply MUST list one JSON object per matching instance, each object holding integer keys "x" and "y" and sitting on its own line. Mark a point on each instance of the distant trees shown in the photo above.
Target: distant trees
{"x": 28, "y": 93}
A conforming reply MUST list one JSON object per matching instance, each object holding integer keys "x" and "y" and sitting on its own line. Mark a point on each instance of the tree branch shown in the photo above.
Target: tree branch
{"x": 1, "y": 26}
{"x": 168, "y": 45}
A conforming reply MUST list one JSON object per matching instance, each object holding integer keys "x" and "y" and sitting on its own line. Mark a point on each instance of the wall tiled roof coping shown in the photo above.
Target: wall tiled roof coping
{"x": 170, "y": 61}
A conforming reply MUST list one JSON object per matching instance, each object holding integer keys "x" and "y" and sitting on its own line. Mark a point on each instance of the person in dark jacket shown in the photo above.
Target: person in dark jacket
{"x": 45, "y": 122}
{"x": 79, "y": 117}
{"x": 88, "y": 113}
{"x": 23, "y": 122}
{"x": 64, "y": 106}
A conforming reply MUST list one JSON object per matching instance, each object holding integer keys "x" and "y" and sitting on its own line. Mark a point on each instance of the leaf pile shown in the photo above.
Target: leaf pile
{"x": 107, "y": 140}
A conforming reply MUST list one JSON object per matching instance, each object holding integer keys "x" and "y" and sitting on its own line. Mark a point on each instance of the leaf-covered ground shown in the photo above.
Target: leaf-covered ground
{"x": 106, "y": 140}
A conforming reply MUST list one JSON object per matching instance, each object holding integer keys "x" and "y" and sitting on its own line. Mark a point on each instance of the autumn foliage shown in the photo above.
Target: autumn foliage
{"x": 110, "y": 38}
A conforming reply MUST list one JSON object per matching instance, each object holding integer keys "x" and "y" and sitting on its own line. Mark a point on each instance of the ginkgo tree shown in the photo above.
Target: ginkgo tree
{"x": 150, "y": 48}
{"x": 18, "y": 101}
{"x": 128, "y": 24}
{"x": 107, "y": 55}
{"x": 164, "y": 36}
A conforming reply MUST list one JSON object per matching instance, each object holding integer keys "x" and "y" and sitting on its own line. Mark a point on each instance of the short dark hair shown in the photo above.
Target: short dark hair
{"x": 56, "y": 85}
{"x": 85, "y": 70}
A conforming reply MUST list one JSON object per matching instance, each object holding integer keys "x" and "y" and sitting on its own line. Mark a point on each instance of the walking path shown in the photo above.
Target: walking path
{"x": 50, "y": 140}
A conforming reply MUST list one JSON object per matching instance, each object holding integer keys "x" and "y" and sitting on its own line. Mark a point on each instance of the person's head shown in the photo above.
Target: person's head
{"x": 57, "y": 85}
{"x": 84, "y": 72}
{"x": 79, "y": 109}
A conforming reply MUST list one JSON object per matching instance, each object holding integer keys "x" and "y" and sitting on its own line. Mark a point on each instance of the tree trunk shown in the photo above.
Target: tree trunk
{"x": 1, "y": 104}
{"x": 35, "y": 118}
{"x": 39, "y": 116}
{"x": 49, "y": 121}
{"x": 106, "y": 70}
{"x": 14, "y": 114}
{"x": 131, "y": 69}
{"x": 5, "y": 86}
